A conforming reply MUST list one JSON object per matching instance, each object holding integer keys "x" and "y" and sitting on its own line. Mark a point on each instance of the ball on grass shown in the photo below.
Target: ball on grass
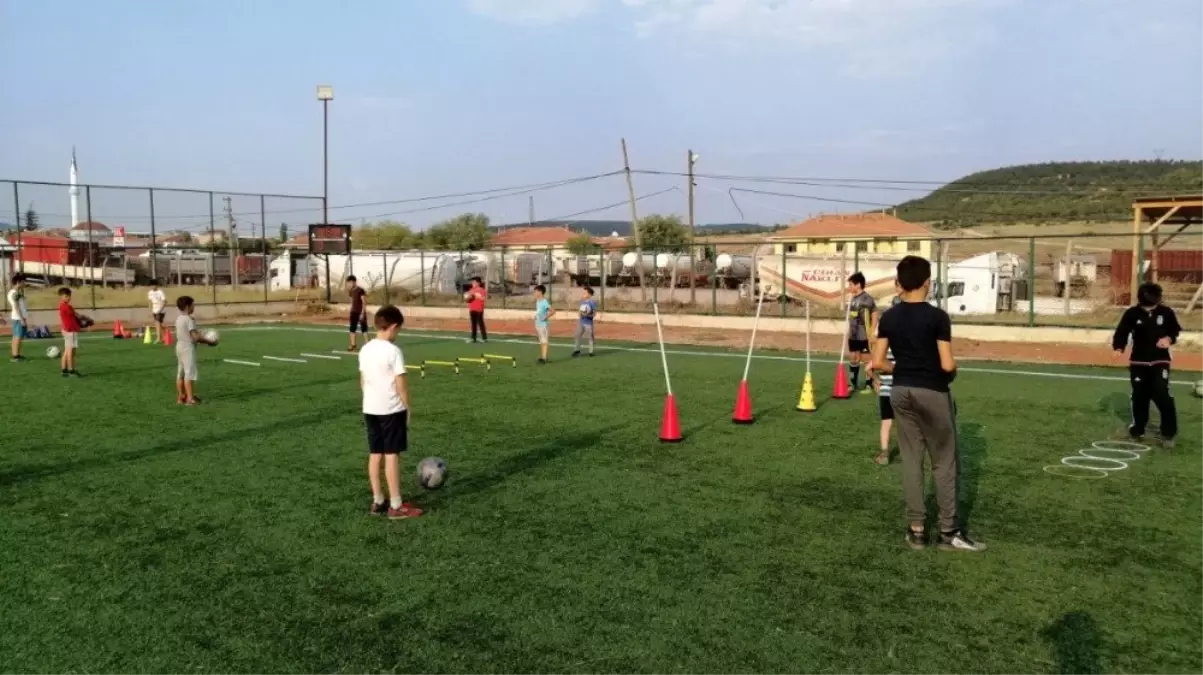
{"x": 53, "y": 352}
{"x": 1198, "y": 389}
{"x": 432, "y": 473}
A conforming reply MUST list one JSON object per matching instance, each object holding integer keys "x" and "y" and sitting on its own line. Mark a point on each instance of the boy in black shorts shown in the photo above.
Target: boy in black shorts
{"x": 358, "y": 321}
{"x": 861, "y": 308}
{"x": 920, "y": 337}
{"x": 386, "y": 413}
{"x": 1153, "y": 329}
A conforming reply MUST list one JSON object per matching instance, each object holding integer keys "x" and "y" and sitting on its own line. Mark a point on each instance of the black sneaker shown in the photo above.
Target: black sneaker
{"x": 590, "y": 354}
{"x": 576, "y": 353}
{"x": 75, "y": 373}
{"x": 18, "y": 359}
{"x": 66, "y": 373}
{"x": 541, "y": 361}
{"x": 916, "y": 540}
{"x": 958, "y": 540}
{"x": 378, "y": 509}
{"x": 1167, "y": 443}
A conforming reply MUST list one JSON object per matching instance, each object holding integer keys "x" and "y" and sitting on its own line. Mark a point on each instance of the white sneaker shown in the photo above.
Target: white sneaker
{"x": 959, "y": 541}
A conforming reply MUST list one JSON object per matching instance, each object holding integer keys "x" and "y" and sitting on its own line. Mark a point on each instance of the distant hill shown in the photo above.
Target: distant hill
{"x": 1053, "y": 192}
{"x": 604, "y": 228}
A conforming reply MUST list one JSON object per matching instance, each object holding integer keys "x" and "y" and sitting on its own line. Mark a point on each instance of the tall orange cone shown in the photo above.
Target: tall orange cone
{"x": 670, "y": 425}
{"x": 167, "y": 337}
{"x": 841, "y": 389}
{"x": 743, "y": 405}
{"x": 118, "y": 331}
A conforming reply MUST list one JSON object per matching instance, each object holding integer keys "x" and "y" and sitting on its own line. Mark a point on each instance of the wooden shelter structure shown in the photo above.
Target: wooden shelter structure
{"x": 1161, "y": 214}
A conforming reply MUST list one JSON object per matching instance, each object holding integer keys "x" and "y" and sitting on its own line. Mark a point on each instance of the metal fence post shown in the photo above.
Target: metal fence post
{"x": 1032, "y": 281}
{"x": 422, "y": 270}
{"x": 714, "y": 288}
{"x": 17, "y": 222}
{"x": 154, "y": 259}
{"x": 212, "y": 268}
{"x": 384, "y": 264}
{"x": 504, "y": 285}
{"x": 784, "y": 296}
{"x": 939, "y": 272}
{"x": 267, "y": 268}
{"x": 91, "y": 249}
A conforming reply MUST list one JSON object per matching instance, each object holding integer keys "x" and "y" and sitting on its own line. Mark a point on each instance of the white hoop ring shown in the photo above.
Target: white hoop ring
{"x": 1077, "y": 462}
{"x": 1066, "y": 471}
{"x": 1132, "y": 455}
{"x": 1119, "y": 445}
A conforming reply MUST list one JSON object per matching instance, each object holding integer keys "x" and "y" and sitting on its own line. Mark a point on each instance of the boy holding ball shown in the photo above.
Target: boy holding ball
{"x": 186, "y": 339}
{"x": 584, "y": 329}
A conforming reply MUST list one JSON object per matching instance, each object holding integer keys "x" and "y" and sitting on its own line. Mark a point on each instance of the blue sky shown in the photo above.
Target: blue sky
{"x": 443, "y": 96}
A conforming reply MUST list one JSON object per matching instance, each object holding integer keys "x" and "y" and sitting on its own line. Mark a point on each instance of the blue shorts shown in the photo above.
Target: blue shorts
{"x": 19, "y": 330}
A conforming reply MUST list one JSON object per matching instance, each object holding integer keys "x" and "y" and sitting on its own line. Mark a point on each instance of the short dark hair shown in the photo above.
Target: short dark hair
{"x": 858, "y": 279}
{"x": 154, "y": 282}
{"x": 588, "y": 289}
{"x": 184, "y": 302}
{"x": 913, "y": 272}
{"x": 478, "y": 280}
{"x": 1148, "y": 294}
{"x": 351, "y": 277}
{"x": 18, "y": 278}
{"x": 541, "y": 288}
{"x": 389, "y": 316}
{"x": 64, "y": 291}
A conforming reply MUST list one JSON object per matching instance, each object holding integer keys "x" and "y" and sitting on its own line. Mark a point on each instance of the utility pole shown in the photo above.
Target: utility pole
{"x": 530, "y": 218}
{"x": 626, "y": 165}
{"x": 691, "y": 159}
{"x": 232, "y": 241}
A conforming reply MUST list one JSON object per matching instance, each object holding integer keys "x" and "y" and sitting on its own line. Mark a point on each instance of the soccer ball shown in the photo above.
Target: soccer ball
{"x": 586, "y": 310}
{"x": 468, "y": 297}
{"x": 1198, "y": 389}
{"x": 211, "y": 336}
{"x": 432, "y": 473}
{"x": 53, "y": 352}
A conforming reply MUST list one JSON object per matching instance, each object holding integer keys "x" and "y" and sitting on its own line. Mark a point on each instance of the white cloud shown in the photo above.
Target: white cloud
{"x": 532, "y": 12}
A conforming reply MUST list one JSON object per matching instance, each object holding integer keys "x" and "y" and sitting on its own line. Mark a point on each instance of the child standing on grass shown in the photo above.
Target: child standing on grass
{"x": 71, "y": 326}
{"x": 584, "y": 329}
{"x": 884, "y": 382}
{"x": 386, "y": 413}
{"x": 1153, "y": 328}
{"x": 158, "y": 308}
{"x": 19, "y": 314}
{"x": 920, "y": 336}
{"x": 186, "y": 339}
{"x": 543, "y": 312}
{"x": 358, "y": 321}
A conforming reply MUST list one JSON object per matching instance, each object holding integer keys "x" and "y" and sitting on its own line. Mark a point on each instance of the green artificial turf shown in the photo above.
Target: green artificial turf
{"x": 139, "y": 536}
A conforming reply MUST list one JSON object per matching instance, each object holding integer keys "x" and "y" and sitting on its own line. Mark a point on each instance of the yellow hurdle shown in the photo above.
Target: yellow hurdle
{"x": 499, "y": 357}
{"x": 482, "y": 361}
{"x": 421, "y": 370}
{"x": 445, "y": 364}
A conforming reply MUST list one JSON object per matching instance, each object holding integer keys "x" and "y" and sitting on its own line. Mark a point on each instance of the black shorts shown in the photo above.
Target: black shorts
{"x": 160, "y": 316}
{"x": 387, "y": 434}
{"x": 858, "y": 346}
{"x": 358, "y": 322}
{"x": 886, "y": 408}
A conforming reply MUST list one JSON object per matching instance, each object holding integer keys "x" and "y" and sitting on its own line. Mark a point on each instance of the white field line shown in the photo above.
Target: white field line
{"x": 241, "y": 363}
{"x": 281, "y": 358}
{"x": 687, "y": 352}
{"x": 321, "y": 356}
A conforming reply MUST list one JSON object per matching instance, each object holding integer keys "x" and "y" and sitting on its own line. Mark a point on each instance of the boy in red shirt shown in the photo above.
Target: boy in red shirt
{"x": 476, "y": 308}
{"x": 71, "y": 327}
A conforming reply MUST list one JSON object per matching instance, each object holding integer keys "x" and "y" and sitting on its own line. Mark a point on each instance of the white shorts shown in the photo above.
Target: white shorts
{"x": 542, "y": 333}
{"x": 70, "y": 340}
{"x": 186, "y": 365}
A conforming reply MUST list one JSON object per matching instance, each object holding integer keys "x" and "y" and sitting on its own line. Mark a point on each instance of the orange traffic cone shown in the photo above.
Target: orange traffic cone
{"x": 118, "y": 332}
{"x": 743, "y": 405}
{"x": 670, "y": 425}
{"x": 841, "y": 390}
{"x": 167, "y": 338}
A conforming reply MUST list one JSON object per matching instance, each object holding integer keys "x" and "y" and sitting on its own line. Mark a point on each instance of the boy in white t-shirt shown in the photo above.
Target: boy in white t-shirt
{"x": 386, "y": 413}
{"x": 158, "y": 307}
{"x": 19, "y": 313}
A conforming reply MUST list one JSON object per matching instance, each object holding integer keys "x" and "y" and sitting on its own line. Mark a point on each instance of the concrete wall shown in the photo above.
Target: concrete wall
{"x": 1037, "y": 334}
{"x": 139, "y": 316}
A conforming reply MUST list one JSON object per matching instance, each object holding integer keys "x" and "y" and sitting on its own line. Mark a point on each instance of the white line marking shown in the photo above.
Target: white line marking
{"x": 241, "y": 363}
{"x": 281, "y": 358}
{"x": 341, "y": 354}
{"x": 321, "y": 356}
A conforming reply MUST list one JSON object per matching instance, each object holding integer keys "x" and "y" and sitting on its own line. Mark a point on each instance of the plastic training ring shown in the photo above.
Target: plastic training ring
{"x": 1071, "y": 472}
{"x": 1131, "y": 455}
{"x": 1119, "y": 445}
{"x": 1078, "y": 461}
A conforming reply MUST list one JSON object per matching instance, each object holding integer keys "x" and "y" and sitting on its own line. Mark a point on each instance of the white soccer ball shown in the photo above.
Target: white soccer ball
{"x": 586, "y": 309}
{"x": 211, "y": 336}
{"x": 53, "y": 352}
{"x": 468, "y": 296}
{"x": 432, "y": 473}
{"x": 1198, "y": 389}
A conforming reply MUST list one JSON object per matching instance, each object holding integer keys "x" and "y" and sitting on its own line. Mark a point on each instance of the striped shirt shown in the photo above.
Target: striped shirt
{"x": 887, "y": 381}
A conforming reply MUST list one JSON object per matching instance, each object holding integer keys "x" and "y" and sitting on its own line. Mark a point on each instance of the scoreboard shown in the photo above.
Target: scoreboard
{"x": 326, "y": 239}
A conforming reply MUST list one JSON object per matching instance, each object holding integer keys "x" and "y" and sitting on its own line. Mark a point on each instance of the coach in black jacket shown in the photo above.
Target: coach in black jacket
{"x": 1153, "y": 328}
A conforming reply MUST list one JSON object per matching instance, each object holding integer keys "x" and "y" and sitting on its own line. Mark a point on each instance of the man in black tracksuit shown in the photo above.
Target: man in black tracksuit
{"x": 1153, "y": 328}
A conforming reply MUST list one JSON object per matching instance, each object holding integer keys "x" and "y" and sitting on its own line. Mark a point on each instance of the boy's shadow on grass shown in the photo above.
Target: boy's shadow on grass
{"x": 36, "y": 472}
{"x": 1076, "y": 642}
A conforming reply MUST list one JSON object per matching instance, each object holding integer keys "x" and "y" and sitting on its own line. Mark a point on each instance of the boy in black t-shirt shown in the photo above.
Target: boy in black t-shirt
{"x": 920, "y": 337}
{"x": 1153, "y": 328}
{"x": 358, "y": 321}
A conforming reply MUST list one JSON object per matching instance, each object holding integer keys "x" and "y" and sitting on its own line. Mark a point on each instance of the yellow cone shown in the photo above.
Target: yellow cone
{"x": 146, "y": 336}
{"x": 806, "y": 402}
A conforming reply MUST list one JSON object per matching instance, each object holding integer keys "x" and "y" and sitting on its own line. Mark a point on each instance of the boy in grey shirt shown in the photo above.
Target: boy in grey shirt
{"x": 186, "y": 339}
{"x": 861, "y": 308}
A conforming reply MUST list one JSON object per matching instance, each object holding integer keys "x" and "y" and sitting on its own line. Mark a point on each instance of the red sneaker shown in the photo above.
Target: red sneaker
{"x": 181, "y": 400}
{"x": 192, "y": 401}
{"x": 406, "y": 511}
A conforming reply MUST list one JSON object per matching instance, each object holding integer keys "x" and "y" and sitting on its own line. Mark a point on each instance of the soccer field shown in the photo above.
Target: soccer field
{"x": 140, "y": 536}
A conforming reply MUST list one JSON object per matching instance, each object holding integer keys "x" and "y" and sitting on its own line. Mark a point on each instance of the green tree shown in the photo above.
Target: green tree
{"x": 384, "y": 236}
{"x": 581, "y": 244}
{"x": 32, "y": 219}
{"x": 663, "y": 233}
{"x": 466, "y": 232}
